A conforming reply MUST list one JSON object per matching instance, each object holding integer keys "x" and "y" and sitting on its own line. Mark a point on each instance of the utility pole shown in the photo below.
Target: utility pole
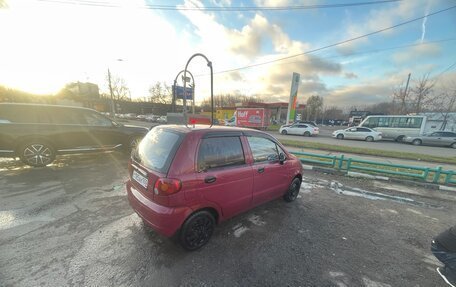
{"x": 113, "y": 107}
{"x": 405, "y": 93}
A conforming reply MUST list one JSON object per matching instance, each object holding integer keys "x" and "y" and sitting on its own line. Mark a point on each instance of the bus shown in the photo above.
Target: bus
{"x": 396, "y": 127}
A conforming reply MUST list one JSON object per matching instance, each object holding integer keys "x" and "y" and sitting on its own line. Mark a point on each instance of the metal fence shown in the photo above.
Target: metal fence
{"x": 434, "y": 175}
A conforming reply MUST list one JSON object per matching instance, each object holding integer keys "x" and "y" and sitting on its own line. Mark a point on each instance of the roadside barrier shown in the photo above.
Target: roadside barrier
{"x": 427, "y": 174}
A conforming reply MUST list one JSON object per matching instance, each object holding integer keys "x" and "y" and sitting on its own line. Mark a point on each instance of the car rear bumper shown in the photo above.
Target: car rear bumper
{"x": 164, "y": 220}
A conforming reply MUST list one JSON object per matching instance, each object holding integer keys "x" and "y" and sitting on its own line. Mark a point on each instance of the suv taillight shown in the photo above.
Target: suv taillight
{"x": 167, "y": 186}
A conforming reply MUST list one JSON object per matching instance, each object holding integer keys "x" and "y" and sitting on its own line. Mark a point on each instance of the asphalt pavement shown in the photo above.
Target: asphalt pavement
{"x": 70, "y": 224}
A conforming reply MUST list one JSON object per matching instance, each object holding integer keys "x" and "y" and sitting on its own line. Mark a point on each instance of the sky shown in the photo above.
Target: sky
{"x": 254, "y": 51}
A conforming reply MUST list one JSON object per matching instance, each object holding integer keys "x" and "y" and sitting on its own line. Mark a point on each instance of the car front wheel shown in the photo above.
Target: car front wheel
{"x": 37, "y": 153}
{"x": 340, "y": 136}
{"x": 453, "y": 145}
{"x": 369, "y": 139}
{"x": 416, "y": 142}
{"x": 197, "y": 230}
{"x": 293, "y": 190}
{"x": 284, "y": 132}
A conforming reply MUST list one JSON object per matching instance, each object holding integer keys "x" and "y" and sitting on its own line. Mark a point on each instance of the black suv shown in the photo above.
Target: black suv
{"x": 36, "y": 133}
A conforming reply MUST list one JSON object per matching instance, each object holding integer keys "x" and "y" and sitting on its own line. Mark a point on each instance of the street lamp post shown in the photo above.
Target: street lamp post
{"x": 209, "y": 64}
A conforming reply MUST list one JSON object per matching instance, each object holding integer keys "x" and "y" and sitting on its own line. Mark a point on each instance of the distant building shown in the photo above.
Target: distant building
{"x": 84, "y": 90}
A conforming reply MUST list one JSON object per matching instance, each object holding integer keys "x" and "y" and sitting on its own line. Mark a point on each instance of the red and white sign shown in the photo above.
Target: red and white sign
{"x": 251, "y": 117}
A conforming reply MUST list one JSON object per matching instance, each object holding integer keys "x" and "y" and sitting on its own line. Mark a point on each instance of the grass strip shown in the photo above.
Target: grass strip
{"x": 372, "y": 152}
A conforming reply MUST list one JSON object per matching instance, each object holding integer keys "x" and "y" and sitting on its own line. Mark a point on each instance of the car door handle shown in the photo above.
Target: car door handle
{"x": 261, "y": 170}
{"x": 210, "y": 179}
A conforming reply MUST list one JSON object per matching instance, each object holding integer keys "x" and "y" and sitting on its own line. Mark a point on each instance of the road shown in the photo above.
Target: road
{"x": 325, "y": 137}
{"x": 70, "y": 224}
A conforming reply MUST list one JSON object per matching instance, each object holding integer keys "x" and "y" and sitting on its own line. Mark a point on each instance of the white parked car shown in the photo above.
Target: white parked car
{"x": 358, "y": 133}
{"x": 299, "y": 129}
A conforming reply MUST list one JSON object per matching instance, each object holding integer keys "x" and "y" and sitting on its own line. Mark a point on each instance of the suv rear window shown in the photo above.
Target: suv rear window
{"x": 156, "y": 151}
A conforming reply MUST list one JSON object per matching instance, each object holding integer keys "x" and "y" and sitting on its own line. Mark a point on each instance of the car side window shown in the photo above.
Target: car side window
{"x": 95, "y": 119}
{"x": 263, "y": 149}
{"x": 66, "y": 117}
{"x": 220, "y": 152}
{"x": 436, "y": 134}
{"x": 449, "y": 134}
{"x": 363, "y": 130}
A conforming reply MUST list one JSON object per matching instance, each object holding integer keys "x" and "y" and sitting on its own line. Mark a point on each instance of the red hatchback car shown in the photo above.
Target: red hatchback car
{"x": 185, "y": 180}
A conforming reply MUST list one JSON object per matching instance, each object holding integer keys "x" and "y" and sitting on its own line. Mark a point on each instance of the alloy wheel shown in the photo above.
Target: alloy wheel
{"x": 37, "y": 154}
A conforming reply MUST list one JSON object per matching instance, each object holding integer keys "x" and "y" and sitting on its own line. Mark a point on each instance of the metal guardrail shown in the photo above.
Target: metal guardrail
{"x": 434, "y": 175}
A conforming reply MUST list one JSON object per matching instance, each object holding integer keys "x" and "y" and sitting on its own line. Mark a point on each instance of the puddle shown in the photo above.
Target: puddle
{"x": 338, "y": 188}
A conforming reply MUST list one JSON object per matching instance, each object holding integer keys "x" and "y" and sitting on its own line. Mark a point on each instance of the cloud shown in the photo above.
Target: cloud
{"x": 378, "y": 19}
{"x": 350, "y": 75}
{"x": 248, "y": 41}
{"x": 417, "y": 52}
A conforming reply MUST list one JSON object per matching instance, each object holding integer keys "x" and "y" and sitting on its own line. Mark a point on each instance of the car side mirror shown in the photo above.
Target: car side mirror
{"x": 282, "y": 158}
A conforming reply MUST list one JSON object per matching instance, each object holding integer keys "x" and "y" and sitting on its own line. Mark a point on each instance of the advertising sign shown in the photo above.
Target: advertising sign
{"x": 250, "y": 117}
{"x": 180, "y": 92}
{"x": 291, "y": 113}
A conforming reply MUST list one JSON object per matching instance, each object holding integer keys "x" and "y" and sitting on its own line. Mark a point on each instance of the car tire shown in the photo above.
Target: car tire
{"x": 293, "y": 190}
{"x": 284, "y": 132}
{"x": 399, "y": 139}
{"x": 369, "y": 139}
{"x": 340, "y": 136}
{"x": 453, "y": 145}
{"x": 307, "y": 134}
{"x": 416, "y": 142}
{"x": 197, "y": 230}
{"x": 37, "y": 153}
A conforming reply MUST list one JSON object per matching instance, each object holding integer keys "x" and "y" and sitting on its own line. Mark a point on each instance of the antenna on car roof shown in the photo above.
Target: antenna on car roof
{"x": 209, "y": 64}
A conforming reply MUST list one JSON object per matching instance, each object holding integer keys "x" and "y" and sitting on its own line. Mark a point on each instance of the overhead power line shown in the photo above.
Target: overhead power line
{"x": 221, "y": 9}
{"x": 381, "y": 50}
{"x": 336, "y": 44}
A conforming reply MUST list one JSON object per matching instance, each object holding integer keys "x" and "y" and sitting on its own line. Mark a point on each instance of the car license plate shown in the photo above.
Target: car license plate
{"x": 142, "y": 180}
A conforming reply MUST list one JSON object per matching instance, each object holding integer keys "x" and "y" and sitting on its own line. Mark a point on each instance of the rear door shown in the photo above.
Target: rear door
{"x": 224, "y": 177}
{"x": 271, "y": 179}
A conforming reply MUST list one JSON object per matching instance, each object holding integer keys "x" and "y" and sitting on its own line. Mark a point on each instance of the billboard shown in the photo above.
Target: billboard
{"x": 251, "y": 117}
{"x": 291, "y": 113}
{"x": 180, "y": 92}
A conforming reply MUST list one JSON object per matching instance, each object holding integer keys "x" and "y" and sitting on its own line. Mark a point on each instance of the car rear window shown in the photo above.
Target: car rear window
{"x": 156, "y": 151}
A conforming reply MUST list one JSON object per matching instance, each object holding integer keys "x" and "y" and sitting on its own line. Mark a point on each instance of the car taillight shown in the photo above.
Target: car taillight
{"x": 167, "y": 186}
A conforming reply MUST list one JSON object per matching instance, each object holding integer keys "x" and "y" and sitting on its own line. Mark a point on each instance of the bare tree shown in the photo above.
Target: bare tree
{"x": 120, "y": 90}
{"x": 445, "y": 104}
{"x": 422, "y": 94}
{"x": 230, "y": 100}
{"x": 160, "y": 93}
{"x": 401, "y": 99}
{"x": 314, "y": 107}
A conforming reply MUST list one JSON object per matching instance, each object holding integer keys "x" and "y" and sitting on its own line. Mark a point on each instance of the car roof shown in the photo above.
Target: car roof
{"x": 44, "y": 105}
{"x": 206, "y": 130}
